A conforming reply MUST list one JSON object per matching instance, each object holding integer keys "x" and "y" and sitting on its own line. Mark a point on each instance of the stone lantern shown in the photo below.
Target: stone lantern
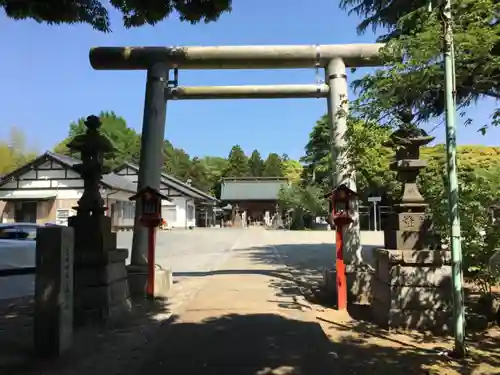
{"x": 100, "y": 276}
{"x": 412, "y": 282}
{"x": 92, "y": 146}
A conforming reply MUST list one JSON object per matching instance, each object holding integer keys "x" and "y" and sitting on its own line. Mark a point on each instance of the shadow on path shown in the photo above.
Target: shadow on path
{"x": 91, "y": 343}
{"x": 263, "y": 272}
{"x": 247, "y": 344}
{"x": 265, "y": 344}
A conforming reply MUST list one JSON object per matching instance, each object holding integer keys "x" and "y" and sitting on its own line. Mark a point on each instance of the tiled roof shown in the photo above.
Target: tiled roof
{"x": 110, "y": 180}
{"x": 177, "y": 184}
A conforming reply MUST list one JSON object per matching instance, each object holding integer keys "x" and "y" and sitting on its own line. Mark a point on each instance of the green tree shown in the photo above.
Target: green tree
{"x": 479, "y": 168}
{"x": 177, "y": 162}
{"x": 95, "y": 13}
{"x": 255, "y": 164}
{"x": 125, "y": 139}
{"x": 197, "y": 172}
{"x": 237, "y": 163}
{"x": 479, "y": 190}
{"x": 365, "y": 153}
{"x": 317, "y": 159}
{"x": 292, "y": 169}
{"x": 273, "y": 166}
{"x": 414, "y": 75}
{"x": 14, "y": 152}
{"x": 305, "y": 202}
{"x": 215, "y": 167}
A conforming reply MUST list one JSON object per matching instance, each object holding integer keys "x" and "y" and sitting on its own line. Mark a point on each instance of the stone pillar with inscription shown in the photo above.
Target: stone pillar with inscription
{"x": 53, "y": 317}
{"x": 101, "y": 287}
{"x": 412, "y": 282}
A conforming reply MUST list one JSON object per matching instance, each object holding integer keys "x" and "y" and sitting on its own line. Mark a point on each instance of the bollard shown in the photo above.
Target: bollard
{"x": 53, "y": 322}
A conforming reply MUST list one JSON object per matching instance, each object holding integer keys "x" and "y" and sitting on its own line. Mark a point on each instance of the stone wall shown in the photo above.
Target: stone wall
{"x": 412, "y": 289}
{"x": 101, "y": 286}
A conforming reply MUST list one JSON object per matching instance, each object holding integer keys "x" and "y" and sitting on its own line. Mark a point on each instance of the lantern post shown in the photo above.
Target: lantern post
{"x": 150, "y": 217}
{"x": 341, "y": 201}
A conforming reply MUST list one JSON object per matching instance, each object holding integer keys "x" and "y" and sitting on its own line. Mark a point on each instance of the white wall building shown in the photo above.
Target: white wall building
{"x": 181, "y": 212}
{"x": 46, "y": 190}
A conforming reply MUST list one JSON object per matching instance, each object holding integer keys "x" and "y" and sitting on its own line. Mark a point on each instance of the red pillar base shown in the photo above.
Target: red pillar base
{"x": 340, "y": 271}
{"x": 150, "y": 291}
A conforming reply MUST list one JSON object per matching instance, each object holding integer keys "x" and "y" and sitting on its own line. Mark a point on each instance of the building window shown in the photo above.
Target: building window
{"x": 62, "y": 216}
{"x": 190, "y": 212}
{"x": 125, "y": 210}
{"x": 128, "y": 210}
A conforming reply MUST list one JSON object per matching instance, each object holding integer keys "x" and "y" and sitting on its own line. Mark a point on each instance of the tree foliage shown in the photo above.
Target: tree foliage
{"x": 479, "y": 188}
{"x": 310, "y": 199}
{"x": 365, "y": 153}
{"x": 134, "y": 13}
{"x": 304, "y": 202}
{"x": 292, "y": 170}
{"x": 256, "y": 164}
{"x": 413, "y": 75}
{"x": 273, "y": 166}
{"x": 479, "y": 182}
{"x": 125, "y": 139}
{"x": 237, "y": 163}
{"x": 317, "y": 159}
{"x": 204, "y": 173}
{"x": 14, "y": 151}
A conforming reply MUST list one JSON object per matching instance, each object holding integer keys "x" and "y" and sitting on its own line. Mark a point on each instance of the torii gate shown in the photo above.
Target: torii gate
{"x": 158, "y": 61}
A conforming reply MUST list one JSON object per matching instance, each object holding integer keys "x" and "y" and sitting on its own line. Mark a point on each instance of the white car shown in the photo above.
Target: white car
{"x": 17, "y": 245}
{"x": 17, "y": 259}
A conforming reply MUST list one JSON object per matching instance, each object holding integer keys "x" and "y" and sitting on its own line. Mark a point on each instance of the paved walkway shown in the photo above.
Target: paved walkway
{"x": 241, "y": 323}
{"x": 233, "y": 310}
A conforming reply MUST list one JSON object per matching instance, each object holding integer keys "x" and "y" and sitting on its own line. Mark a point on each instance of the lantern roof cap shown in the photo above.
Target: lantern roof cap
{"x": 92, "y": 139}
{"x": 408, "y": 134}
{"x": 341, "y": 188}
{"x": 149, "y": 190}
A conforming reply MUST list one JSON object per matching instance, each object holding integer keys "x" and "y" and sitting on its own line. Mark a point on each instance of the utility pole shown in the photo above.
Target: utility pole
{"x": 451, "y": 157}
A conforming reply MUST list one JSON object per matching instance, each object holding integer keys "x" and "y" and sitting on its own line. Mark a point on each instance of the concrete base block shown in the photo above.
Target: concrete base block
{"x": 137, "y": 281}
{"x": 359, "y": 284}
{"x": 330, "y": 285}
{"x": 163, "y": 282}
{"x": 435, "y": 320}
{"x": 359, "y": 290}
{"x": 138, "y": 278}
{"x": 111, "y": 313}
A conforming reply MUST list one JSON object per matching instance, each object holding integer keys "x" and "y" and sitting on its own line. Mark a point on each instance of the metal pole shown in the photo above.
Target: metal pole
{"x": 247, "y": 92}
{"x": 451, "y": 156}
{"x": 235, "y": 57}
{"x": 342, "y": 173}
{"x": 375, "y": 216}
{"x": 151, "y": 159}
{"x": 379, "y": 217}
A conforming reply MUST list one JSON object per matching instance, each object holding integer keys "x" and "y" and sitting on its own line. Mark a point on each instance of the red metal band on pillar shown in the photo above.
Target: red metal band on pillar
{"x": 151, "y": 262}
{"x": 340, "y": 268}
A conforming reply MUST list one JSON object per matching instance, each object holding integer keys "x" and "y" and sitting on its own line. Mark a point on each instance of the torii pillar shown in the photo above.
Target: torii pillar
{"x": 157, "y": 61}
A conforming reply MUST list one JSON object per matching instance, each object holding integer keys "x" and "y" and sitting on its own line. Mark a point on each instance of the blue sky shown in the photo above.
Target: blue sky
{"x": 47, "y": 81}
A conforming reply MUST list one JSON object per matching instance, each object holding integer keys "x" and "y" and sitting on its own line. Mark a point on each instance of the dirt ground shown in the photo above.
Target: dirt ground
{"x": 249, "y": 317}
{"x": 413, "y": 353}
{"x": 394, "y": 352}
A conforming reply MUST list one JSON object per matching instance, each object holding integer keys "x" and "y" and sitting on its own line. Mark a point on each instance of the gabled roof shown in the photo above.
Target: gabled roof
{"x": 110, "y": 180}
{"x": 175, "y": 184}
{"x": 256, "y": 179}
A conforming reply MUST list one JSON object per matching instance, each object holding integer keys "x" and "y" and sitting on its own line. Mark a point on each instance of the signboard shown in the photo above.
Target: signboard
{"x": 374, "y": 199}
